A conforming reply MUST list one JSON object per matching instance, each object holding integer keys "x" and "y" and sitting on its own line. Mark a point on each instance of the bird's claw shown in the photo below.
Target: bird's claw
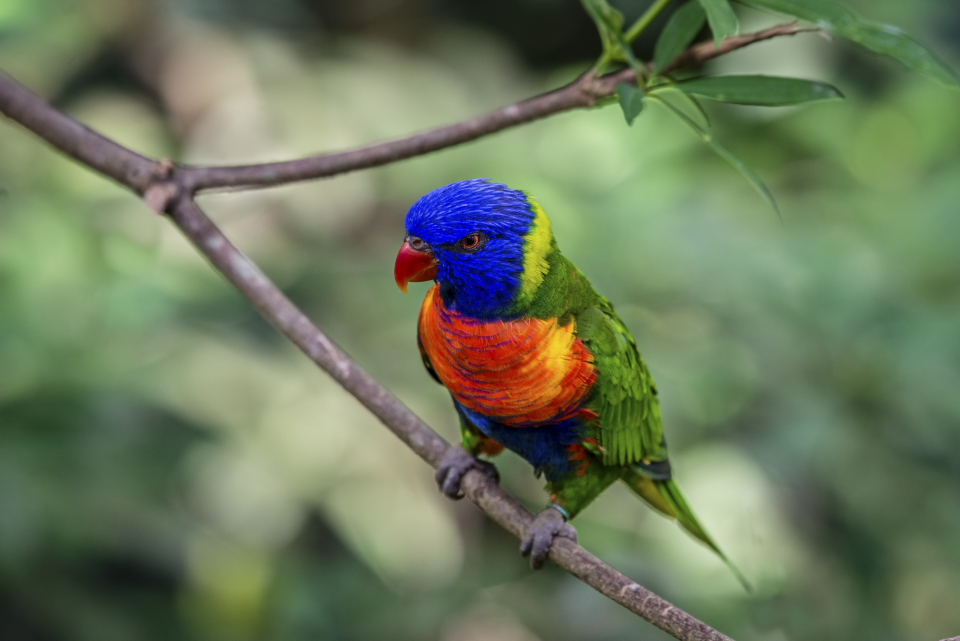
{"x": 455, "y": 464}
{"x": 546, "y": 526}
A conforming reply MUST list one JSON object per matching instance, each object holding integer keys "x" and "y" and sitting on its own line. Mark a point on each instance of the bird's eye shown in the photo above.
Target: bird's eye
{"x": 416, "y": 243}
{"x": 471, "y": 241}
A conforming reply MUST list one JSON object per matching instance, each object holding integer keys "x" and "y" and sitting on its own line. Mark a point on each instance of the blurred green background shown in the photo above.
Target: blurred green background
{"x": 171, "y": 469}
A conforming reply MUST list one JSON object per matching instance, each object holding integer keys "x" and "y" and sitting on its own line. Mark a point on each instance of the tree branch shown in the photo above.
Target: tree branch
{"x": 582, "y": 93}
{"x": 75, "y": 139}
{"x": 426, "y": 443}
{"x": 139, "y": 173}
{"x": 169, "y": 188}
{"x": 700, "y": 53}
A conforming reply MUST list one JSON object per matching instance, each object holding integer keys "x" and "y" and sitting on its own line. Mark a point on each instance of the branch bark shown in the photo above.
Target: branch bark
{"x": 582, "y": 93}
{"x": 169, "y": 188}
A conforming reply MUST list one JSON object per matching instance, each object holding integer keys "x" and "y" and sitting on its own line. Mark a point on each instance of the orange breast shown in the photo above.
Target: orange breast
{"x": 520, "y": 373}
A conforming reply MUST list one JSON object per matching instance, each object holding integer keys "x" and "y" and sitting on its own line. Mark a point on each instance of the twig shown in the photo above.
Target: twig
{"x": 293, "y": 324}
{"x": 138, "y": 172}
{"x": 581, "y": 93}
{"x": 704, "y": 51}
{"x": 75, "y": 139}
{"x": 169, "y": 188}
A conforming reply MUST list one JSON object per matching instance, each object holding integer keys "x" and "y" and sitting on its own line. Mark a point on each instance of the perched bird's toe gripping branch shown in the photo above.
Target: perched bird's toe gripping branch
{"x": 455, "y": 464}
{"x": 548, "y": 525}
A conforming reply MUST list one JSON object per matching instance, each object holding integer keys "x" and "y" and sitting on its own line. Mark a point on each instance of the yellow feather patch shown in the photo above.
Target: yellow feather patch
{"x": 536, "y": 246}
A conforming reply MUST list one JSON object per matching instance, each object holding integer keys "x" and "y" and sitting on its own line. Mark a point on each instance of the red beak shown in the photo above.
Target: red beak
{"x": 413, "y": 266}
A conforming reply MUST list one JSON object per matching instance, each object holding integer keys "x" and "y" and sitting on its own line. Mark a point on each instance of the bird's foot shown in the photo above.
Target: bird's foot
{"x": 455, "y": 464}
{"x": 548, "y": 525}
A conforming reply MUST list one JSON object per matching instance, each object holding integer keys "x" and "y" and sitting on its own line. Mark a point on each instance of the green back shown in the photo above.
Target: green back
{"x": 624, "y": 396}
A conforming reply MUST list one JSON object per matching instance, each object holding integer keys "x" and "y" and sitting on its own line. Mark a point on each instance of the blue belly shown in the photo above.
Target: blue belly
{"x": 544, "y": 447}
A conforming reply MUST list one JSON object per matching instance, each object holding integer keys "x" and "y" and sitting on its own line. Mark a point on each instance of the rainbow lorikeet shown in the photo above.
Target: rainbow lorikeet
{"x": 536, "y": 360}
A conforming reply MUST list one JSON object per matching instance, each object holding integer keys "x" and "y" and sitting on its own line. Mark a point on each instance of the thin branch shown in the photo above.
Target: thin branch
{"x": 75, "y": 139}
{"x": 704, "y": 51}
{"x": 644, "y": 21}
{"x": 138, "y": 172}
{"x": 582, "y": 93}
{"x": 293, "y": 324}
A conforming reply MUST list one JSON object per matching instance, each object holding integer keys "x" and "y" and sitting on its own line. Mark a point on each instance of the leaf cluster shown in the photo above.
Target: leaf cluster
{"x": 654, "y": 81}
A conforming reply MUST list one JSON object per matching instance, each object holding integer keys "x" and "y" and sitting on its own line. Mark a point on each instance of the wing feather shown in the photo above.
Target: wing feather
{"x": 629, "y": 427}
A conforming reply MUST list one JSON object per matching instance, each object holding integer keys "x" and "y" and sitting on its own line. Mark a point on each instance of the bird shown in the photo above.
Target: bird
{"x": 535, "y": 360}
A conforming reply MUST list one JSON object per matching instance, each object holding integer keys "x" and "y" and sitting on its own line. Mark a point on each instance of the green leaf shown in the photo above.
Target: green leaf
{"x": 878, "y": 38}
{"x": 680, "y": 31}
{"x": 744, "y": 171}
{"x": 631, "y": 101}
{"x": 726, "y": 154}
{"x": 686, "y": 104}
{"x": 823, "y": 13}
{"x": 609, "y": 23}
{"x": 892, "y": 42}
{"x": 722, "y": 19}
{"x": 767, "y": 91}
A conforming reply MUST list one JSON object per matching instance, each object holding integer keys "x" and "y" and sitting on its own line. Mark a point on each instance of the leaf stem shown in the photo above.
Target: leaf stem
{"x": 723, "y": 152}
{"x": 644, "y": 21}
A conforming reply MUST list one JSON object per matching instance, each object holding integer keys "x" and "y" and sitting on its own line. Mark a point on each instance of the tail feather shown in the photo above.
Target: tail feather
{"x": 664, "y": 496}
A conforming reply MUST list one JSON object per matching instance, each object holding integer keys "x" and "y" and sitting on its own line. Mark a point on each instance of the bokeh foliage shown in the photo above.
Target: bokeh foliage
{"x": 170, "y": 468}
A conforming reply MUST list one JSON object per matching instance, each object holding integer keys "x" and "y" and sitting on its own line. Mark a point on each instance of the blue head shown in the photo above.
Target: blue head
{"x": 484, "y": 243}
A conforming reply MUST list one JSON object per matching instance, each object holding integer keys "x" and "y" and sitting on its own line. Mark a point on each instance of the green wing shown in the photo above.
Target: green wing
{"x": 624, "y": 397}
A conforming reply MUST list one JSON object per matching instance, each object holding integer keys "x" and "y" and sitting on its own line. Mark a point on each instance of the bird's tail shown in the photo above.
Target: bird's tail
{"x": 664, "y": 496}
